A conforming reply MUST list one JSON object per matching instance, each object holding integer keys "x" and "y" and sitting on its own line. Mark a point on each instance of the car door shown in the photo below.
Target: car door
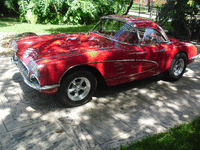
{"x": 135, "y": 60}
{"x": 117, "y": 61}
{"x": 151, "y": 56}
{"x": 124, "y": 55}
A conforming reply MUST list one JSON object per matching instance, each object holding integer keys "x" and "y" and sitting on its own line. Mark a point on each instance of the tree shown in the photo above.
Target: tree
{"x": 150, "y": 5}
{"x": 198, "y": 1}
{"x": 9, "y": 7}
{"x": 67, "y": 11}
{"x": 3, "y": 9}
{"x": 178, "y": 11}
{"x": 12, "y": 5}
{"x": 128, "y": 8}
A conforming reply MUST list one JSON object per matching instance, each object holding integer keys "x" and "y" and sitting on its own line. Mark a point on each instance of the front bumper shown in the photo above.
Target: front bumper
{"x": 47, "y": 89}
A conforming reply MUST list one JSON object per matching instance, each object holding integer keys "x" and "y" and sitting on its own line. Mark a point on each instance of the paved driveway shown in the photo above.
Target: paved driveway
{"x": 116, "y": 115}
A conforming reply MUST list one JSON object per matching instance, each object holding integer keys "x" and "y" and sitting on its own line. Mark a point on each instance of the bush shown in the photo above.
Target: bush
{"x": 67, "y": 11}
{"x": 43, "y": 11}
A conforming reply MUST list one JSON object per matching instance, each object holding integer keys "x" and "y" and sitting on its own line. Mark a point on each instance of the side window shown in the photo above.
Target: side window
{"x": 159, "y": 37}
{"x": 141, "y": 32}
{"x": 106, "y": 25}
{"x": 110, "y": 27}
{"x": 127, "y": 34}
{"x": 150, "y": 36}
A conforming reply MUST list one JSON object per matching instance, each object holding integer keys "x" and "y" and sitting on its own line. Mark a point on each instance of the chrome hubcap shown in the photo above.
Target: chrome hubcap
{"x": 79, "y": 88}
{"x": 179, "y": 67}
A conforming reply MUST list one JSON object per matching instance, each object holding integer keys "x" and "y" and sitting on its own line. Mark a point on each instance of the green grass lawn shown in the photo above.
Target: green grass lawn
{"x": 11, "y": 25}
{"x": 181, "y": 137}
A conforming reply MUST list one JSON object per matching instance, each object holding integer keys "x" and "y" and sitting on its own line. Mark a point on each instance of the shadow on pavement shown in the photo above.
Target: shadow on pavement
{"x": 115, "y": 116}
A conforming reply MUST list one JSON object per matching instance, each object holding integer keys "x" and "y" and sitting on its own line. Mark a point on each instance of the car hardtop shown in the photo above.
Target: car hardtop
{"x": 135, "y": 21}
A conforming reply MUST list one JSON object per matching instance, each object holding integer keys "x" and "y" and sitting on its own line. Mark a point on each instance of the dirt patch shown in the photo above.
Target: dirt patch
{"x": 6, "y": 43}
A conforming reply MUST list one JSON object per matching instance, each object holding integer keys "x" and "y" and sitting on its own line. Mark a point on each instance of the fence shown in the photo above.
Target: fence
{"x": 146, "y": 8}
{"x": 149, "y": 8}
{"x": 145, "y": 2}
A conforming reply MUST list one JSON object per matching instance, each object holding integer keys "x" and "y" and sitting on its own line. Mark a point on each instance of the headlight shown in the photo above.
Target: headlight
{"x": 34, "y": 67}
{"x": 15, "y": 46}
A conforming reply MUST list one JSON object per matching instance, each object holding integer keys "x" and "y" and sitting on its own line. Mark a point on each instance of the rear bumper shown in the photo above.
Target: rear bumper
{"x": 193, "y": 58}
{"x": 47, "y": 89}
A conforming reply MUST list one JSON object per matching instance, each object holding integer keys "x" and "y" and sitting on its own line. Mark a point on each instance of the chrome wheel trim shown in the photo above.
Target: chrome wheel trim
{"x": 78, "y": 89}
{"x": 179, "y": 67}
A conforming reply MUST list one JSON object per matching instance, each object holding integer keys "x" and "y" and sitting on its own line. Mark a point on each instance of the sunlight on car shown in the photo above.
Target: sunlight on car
{"x": 119, "y": 49}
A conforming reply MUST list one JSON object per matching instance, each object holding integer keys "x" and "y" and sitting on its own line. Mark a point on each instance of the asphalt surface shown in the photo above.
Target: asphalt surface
{"x": 117, "y": 115}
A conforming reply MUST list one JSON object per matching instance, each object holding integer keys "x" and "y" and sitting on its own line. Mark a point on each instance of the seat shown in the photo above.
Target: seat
{"x": 128, "y": 37}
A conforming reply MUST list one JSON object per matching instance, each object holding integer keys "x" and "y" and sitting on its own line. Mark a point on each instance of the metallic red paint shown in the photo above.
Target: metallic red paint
{"x": 116, "y": 61}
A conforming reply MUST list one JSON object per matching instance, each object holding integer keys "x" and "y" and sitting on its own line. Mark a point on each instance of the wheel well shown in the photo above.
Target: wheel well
{"x": 93, "y": 70}
{"x": 185, "y": 55}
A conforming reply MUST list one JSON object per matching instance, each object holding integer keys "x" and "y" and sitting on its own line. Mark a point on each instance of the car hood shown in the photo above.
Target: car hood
{"x": 42, "y": 47}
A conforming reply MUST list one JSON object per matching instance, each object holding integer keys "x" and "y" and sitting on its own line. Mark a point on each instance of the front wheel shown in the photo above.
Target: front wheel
{"x": 177, "y": 67}
{"x": 77, "y": 88}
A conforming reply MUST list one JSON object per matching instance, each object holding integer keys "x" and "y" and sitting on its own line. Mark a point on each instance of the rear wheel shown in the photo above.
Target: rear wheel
{"x": 177, "y": 67}
{"x": 77, "y": 88}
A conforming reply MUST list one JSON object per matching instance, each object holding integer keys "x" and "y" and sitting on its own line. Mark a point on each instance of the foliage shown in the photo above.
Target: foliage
{"x": 12, "y": 5}
{"x": 129, "y": 7}
{"x": 66, "y": 11}
{"x": 2, "y": 9}
{"x": 180, "y": 12}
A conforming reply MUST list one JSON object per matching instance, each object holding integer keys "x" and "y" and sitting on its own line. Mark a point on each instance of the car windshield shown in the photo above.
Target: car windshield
{"x": 118, "y": 30}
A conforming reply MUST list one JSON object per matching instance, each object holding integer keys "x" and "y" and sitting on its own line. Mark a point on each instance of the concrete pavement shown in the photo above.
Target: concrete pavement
{"x": 116, "y": 115}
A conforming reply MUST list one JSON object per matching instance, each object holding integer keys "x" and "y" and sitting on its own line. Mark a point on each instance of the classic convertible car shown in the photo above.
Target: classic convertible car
{"x": 119, "y": 49}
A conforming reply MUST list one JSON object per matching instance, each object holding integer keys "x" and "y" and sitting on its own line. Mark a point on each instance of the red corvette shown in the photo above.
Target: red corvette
{"x": 119, "y": 49}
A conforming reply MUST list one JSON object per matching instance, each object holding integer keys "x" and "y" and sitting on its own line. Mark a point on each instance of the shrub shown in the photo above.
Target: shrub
{"x": 67, "y": 11}
{"x": 43, "y": 11}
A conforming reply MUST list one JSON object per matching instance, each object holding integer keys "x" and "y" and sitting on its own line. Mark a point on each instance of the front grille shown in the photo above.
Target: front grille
{"x": 23, "y": 69}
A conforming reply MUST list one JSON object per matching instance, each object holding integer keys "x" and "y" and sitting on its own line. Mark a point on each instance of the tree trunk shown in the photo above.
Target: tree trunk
{"x": 150, "y": 5}
{"x": 128, "y": 8}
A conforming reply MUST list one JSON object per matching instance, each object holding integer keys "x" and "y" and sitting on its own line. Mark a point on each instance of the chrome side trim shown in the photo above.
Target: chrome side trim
{"x": 131, "y": 75}
{"x": 115, "y": 66}
{"x": 195, "y": 57}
